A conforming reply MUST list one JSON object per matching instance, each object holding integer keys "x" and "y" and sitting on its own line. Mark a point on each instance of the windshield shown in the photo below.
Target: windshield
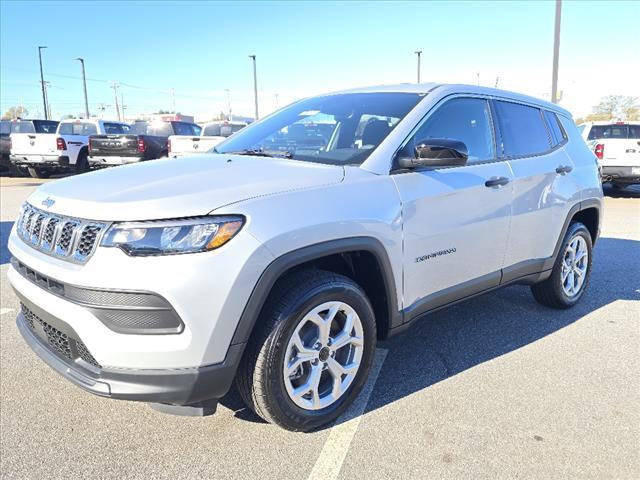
{"x": 336, "y": 129}
{"x": 614, "y": 131}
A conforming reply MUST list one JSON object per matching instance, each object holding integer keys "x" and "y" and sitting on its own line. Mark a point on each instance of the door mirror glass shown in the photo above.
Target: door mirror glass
{"x": 437, "y": 152}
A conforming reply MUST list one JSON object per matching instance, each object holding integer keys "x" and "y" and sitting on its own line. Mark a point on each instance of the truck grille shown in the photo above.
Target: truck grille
{"x": 64, "y": 345}
{"x": 68, "y": 238}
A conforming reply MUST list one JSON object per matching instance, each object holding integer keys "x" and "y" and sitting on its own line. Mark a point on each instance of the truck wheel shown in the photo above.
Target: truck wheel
{"x": 570, "y": 274}
{"x": 82, "y": 163}
{"x": 311, "y": 351}
{"x": 37, "y": 172}
{"x": 18, "y": 171}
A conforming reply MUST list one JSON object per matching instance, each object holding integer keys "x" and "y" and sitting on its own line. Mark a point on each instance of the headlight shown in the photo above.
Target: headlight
{"x": 168, "y": 237}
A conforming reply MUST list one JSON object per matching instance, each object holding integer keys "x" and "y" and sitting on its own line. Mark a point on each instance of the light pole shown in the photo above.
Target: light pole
{"x": 556, "y": 53}
{"x": 255, "y": 83}
{"x": 44, "y": 95}
{"x": 84, "y": 86}
{"x": 114, "y": 85}
{"x": 418, "y": 53}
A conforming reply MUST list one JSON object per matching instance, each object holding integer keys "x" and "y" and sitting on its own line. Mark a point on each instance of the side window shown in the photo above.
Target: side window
{"x": 522, "y": 129}
{"x": 189, "y": 129}
{"x": 557, "y": 134}
{"x": 467, "y": 120}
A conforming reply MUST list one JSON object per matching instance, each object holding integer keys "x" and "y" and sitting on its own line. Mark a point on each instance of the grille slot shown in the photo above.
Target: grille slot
{"x": 63, "y": 344}
{"x": 69, "y": 238}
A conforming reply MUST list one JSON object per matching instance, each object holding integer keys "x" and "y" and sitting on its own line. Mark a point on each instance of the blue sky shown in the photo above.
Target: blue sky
{"x": 303, "y": 48}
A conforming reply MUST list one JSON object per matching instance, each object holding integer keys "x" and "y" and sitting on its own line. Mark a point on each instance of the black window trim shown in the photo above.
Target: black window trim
{"x": 494, "y": 133}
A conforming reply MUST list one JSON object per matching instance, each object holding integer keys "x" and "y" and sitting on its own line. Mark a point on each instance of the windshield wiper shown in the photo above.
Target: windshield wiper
{"x": 263, "y": 153}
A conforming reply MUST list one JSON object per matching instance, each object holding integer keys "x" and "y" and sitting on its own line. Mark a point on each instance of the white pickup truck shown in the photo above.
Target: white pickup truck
{"x": 617, "y": 147}
{"x": 211, "y": 135}
{"x": 45, "y": 146}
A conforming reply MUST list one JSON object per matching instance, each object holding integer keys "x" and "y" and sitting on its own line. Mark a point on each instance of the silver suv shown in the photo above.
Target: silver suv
{"x": 279, "y": 260}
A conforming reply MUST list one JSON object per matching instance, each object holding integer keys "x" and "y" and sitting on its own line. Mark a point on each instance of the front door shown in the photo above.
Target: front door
{"x": 456, "y": 219}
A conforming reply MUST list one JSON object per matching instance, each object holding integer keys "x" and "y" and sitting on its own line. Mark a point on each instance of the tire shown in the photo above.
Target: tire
{"x": 37, "y": 172}
{"x": 552, "y": 292}
{"x": 261, "y": 379}
{"x": 82, "y": 162}
{"x": 17, "y": 171}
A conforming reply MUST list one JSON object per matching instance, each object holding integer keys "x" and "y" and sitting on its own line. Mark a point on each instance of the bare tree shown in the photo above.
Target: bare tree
{"x": 15, "y": 112}
{"x": 617, "y": 106}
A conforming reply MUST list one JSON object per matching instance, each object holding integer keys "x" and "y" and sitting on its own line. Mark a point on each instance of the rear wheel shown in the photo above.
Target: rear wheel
{"x": 311, "y": 352}
{"x": 570, "y": 274}
{"x": 37, "y": 172}
{"x": 82, "y": 163}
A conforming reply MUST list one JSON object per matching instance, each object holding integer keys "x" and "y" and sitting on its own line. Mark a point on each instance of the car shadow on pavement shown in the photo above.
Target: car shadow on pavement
{"x": 5, "y": 230}
{"x": 632, "y": 191}
{"x": 455, "y": 339}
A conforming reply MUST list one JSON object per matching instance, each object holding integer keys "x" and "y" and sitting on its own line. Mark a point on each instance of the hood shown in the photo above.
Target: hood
{"x": 182, "y": 187}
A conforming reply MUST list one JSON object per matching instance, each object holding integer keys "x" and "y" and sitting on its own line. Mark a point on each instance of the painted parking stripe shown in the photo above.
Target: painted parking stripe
{"x": 5, "y": 310}
{"x": 336, "y": 446}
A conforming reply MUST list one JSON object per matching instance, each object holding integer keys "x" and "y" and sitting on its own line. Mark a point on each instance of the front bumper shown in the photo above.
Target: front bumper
{"x": 49, "y": 161}
{"x": 111, "y": 161}
{"x": 184, "y": 386}
{"x": 621, "y": 174}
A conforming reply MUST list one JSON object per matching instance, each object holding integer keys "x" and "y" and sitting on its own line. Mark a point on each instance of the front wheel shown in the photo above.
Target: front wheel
{"x": 82, "y": 163}
{"x": 37, "y": 172}
{"x": 311, "y": 352}
{"x": 570, "y": 274}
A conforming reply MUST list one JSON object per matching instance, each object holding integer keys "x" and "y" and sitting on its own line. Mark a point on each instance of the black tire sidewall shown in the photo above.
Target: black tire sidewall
{"x": 37, "y": 172}
{"x": 82, "y": 163}
{"x": 280, "y": 403}
{"x": 574, "y": 229}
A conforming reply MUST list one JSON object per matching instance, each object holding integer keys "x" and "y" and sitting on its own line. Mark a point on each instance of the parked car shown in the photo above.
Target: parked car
{"x": 617, "y": 146}
{"x": 146, "y": 141}
{"x": 50, "y": 146}
{"x": 5, "y": 145}
{"x": 211, "y": 134}
{"x": 164, "y": 282}
{"x": 30, "y": 141}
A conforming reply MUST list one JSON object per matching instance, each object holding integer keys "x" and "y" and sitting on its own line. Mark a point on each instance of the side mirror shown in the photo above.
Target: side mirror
{"x": 437, "y": 152}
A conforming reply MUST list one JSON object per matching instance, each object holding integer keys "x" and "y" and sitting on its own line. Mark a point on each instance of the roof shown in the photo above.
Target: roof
{"x": 424, "y": 88}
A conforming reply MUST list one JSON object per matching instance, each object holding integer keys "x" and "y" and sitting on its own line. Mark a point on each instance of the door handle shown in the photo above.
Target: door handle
{"x": 563, "y": 169}
{"x": 496, "y": 182}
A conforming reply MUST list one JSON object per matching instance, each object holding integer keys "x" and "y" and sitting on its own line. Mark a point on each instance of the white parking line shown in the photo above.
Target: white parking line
{"x": 336, "y": 446}
{"x": 5, "y": 310}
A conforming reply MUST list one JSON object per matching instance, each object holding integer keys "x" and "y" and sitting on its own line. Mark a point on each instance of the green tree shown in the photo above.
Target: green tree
{"x": 15, "y": 112}
{"x": 617, "y": 106}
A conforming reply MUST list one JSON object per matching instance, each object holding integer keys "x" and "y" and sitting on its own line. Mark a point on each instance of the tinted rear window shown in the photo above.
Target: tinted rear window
{"x": 116, "y": 129}
{"x": 189, "y": 129}
{"x": 78, "y": 128}
{"x": 5, "y": 127}
{"x": 159, "y": 129}
{"x": 614, "y": 131}
{"x": 34, "y": 126}
{"x": 522, "y": 129}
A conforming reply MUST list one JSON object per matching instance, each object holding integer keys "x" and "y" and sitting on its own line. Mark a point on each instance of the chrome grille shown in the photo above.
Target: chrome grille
{"x": 69, "y": 238}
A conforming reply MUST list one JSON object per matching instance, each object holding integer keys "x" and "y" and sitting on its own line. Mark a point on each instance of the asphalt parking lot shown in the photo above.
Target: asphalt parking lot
{"x": 497, "y": 387}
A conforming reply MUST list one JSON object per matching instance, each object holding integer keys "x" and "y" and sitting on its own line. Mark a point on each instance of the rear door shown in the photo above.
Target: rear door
{"x": 532, "y": 141}
{"x": 455, "y": 219}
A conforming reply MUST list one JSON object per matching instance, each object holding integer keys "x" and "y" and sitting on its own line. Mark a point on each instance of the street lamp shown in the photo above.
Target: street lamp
{"x": 44, "y": 94}
{"x": 418, "y": 53}
{"x": 255, "y": 83}
{"x": 556, "y": 53}
{"x": 84, "y": 85}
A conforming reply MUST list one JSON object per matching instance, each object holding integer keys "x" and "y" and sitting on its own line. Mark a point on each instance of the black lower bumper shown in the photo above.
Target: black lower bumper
{"x": 183, "y": 386}
{"x": 47, "y": 161}
{"x": 621, "y": 174}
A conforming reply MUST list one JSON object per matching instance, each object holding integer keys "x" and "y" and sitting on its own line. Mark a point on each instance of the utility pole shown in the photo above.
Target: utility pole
{"x": 478, "y": 78}
{"x": 173, "y": 100}
{"x": 114, "y": 85}
{"x": 277, "y": 95}
{"x": 122, "y": 106}
{"x": 556, "y": 53}
{"x": 418, "y": 53}
{"x": 255, "y": 83}
{"x": 44, "y": 94}
{"x": 84, "y": 85}
{"x": 497, "y": 80}
{"x": 228, "y": 103}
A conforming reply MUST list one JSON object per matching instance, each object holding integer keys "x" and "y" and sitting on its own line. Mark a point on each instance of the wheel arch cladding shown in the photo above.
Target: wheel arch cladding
{"x": 363, "y": 259}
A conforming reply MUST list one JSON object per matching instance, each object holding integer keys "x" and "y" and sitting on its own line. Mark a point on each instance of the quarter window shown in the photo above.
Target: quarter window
{"x": 557, "y": 134}
{"x": 522, "y": 129}
{"x": 467, "y": 120}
